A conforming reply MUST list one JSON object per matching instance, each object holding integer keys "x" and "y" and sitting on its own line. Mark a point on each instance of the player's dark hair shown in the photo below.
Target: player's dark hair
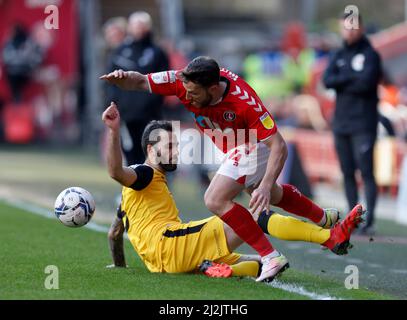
{"x": 202, "y": 70}
{"x": 151, "y": 126}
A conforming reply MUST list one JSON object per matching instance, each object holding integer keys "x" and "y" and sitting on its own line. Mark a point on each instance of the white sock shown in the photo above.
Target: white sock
{"x": 323, "y": 220}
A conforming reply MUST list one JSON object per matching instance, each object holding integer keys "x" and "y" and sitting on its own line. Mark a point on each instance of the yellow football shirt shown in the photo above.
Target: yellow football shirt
{"x": 150, "y": 210}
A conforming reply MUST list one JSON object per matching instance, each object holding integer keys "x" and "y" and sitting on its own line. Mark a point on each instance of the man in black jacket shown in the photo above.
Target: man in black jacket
{"x": 138, "y": 52}
{"x": 354, "y": 72}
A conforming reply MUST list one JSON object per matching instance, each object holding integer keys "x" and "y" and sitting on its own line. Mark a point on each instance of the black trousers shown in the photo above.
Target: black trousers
{"x": 17, "y": 84}
{"x": 131, "y": 133}
{"x": 355, "y": 151}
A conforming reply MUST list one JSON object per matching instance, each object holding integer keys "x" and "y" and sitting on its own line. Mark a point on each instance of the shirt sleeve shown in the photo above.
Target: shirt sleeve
{"x": 163, "y": 83}
{"x": 144, "y": 177}
{"x": 332, "y": 78}
{"x": 262, "y": 121}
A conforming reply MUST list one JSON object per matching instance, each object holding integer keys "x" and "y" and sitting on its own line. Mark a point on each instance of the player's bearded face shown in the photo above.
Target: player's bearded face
{"x": 167, "y": 152}
{"x": 197, "y": 95}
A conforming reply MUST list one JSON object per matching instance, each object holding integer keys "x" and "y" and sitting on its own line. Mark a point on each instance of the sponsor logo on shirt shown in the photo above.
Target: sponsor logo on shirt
{"x": 267, "y": 121}
{"x": 163, "y": 77}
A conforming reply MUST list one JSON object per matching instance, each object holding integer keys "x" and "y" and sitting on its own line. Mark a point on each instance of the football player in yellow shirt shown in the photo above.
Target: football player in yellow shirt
{"x": 164, "y": 243}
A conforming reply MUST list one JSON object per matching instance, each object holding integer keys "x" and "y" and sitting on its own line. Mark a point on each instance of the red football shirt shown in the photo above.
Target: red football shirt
{"x": 231, "y": 122}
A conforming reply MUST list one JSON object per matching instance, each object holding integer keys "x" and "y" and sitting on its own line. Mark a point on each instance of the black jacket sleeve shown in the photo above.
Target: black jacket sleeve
{"x": 333, "y": 79}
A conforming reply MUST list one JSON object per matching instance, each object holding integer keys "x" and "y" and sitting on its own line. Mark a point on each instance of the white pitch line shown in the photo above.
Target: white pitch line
{"x": 400, "y": 271}
{"x": 334, "y": 257}
{"x": 295, "y": 246}
{"x": 299, "y": 290}
{"x": 293, "y": 288}
{"x": 314, "y": 251}
{"x": 354, "y": 260}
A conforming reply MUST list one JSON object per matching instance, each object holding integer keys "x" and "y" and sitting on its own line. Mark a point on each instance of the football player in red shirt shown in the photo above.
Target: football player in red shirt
{"x": 227, "y": 109}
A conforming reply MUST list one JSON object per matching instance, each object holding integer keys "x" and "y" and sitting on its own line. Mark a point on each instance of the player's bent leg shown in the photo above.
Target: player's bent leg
{"x": 232, "y": 265}
{"x": 214, "y": 269}
{"x": 285, "y": 196}
{"x": 247, "y": 265}
{"x": 234, "y": 172}
{"x": 291, "y": 229}
{"x": 218, "y": 199}
{"x": 240, "y": 268}
{"x": 246, "y": 269}
{"x": 185, "y": 246}
{"x": 220, "y": 193}
{"x": 232, "y": 239}
{"x": 292, "y": 200}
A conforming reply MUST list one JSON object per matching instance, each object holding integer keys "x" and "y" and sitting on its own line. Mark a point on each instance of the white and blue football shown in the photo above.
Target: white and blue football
{"x": 74, "y": 207}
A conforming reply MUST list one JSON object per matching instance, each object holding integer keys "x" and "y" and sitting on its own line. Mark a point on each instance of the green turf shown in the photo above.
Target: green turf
{"x": 30, "y": 243}
{"x": 51, "y": 171}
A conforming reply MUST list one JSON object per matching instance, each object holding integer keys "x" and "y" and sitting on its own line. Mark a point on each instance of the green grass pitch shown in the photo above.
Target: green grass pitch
{"x": 30, "y": 243}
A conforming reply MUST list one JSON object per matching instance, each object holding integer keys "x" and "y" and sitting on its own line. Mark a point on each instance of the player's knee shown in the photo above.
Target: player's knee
{"x": 213, "y": 203}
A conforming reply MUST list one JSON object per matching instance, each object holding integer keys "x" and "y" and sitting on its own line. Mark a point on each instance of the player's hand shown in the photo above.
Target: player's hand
{"x": 120, "y": 78}
{"x": 111, "y": 117}
{"x": 260, "y": 200}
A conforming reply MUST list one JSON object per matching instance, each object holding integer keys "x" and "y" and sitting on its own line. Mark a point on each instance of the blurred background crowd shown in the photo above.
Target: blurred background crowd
{"x": 50, "y": 91}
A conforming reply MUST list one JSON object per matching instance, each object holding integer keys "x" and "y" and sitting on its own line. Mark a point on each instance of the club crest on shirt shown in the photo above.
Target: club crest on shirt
{"x": 229, "y": 116}
{"x": 267, "y": 121}
{"x": 358, "y": 62}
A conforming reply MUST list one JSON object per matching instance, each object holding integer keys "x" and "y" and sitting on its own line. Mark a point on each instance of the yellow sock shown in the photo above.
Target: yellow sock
{"x": 288, "y": 228}
{"x": 245, "y": 269}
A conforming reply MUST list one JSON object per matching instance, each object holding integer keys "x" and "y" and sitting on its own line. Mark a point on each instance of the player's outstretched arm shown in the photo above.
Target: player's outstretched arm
{"x": 124, "y": 175}
{"x": 127, "y": 80}
{"x": 115, "y": 237}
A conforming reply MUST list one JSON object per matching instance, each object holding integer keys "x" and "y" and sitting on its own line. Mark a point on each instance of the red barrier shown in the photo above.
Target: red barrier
{"x": 318, "y": 156}
{"x": 19, "y": 123}
{"x": 51, "y": 88}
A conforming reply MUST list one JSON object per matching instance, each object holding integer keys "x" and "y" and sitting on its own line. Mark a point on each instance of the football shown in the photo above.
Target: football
{"x": 74, "y": 207}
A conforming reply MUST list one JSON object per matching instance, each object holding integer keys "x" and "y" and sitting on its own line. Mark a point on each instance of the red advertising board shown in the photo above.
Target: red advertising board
{"x": 54, "y": 25}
